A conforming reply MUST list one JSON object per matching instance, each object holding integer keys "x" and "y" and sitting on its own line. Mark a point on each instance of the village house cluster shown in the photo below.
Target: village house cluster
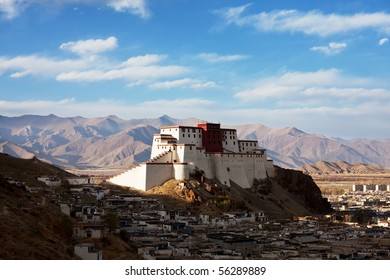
{"x": 364, "y": 204}
{"x": 161, "y": 233}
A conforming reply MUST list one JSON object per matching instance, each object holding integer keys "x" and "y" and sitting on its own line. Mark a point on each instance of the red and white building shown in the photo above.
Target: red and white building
{"x": 180, "y": 150}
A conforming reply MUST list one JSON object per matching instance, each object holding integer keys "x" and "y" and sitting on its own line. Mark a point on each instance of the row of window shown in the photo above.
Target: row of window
{"x": 190, "y": 129}
{"x": 189, "y": 135}
{"x": 169, "y": 148}
{"x": 163, "y": 130}
{"x": 251, "y": 144}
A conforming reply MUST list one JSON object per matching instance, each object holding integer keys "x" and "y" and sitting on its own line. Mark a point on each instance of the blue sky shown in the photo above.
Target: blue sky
{"x": 321, "y": 66}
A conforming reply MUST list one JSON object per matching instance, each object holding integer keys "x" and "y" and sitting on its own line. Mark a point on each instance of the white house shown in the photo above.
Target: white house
{"x": 87, "y": 252}
{"x": 50, "y": 181}
{"x": 178, "y": 151}
{"x": 74, "y": 181}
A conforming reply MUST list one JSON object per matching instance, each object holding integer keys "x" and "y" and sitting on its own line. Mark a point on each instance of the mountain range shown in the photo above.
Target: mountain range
{"x": 341, "y": 167}
{"x": 78, "y": 142}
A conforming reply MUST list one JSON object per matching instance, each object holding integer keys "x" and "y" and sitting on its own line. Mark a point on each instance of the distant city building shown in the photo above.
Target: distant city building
{"x": 178, "y": 151}
{"x": 370, "y": 187}
{"x": 50, "y": 181}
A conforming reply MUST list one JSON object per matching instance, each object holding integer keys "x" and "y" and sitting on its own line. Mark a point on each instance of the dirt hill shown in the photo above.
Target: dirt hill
{"x": 290, "y": 193}
{"x": 32, "y": 227}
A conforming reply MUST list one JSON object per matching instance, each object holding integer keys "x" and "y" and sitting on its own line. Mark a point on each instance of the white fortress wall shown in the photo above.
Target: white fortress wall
{"x": 204, "y": 162}
{"x": 135, "y": 177}
{"x": 157, "y": 174}
{"x": 221, "y": 172}
{"x": 181, "y": 171}
{"x": 260, "y": 166}
{"x": 270, "y": 168}
{"x": 197, "y": 159}
{"x": 240, "y": 168}
{"x": 182, "y": 151}
{"x": 238, "y": 176}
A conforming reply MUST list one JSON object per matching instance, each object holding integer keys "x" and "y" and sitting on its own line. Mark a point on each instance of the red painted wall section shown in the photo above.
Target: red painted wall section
{"x": 212, "y": 137}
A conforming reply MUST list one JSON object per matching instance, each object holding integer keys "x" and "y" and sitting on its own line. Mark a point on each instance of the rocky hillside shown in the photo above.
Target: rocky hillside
{"x": 303, "y": 186}
{"x": 342, "y": 167}
{"x": 32, "y": 227}
{"x": 290, "y": 193}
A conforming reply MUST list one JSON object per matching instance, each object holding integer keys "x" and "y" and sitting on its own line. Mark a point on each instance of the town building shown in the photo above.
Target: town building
{"x": 87, "y": 252}
{"x": 215, "y": 152}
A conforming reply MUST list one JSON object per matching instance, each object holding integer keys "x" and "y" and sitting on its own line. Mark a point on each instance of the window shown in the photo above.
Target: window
{"x": 193, "y": 130}
{"x": 183, "y": 130}
{"x": 184, "y": 135}
{"x": 189, "y": 135}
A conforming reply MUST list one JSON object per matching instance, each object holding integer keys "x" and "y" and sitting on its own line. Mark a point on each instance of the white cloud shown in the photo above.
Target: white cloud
{"x": 137, "y": 70}
{"x": 184, "y": 83}
{"x": 144, "y": 73}
{"x": 216, "y": 58}
{"x": 331, "y": 49}
{"x": 144, "y": 60}
{"x": 137, "y": 7}
{"x": 91, "y": 46}
{"x": 19, "y": 74}
{"x": 10, "y": 8}
{"x": 311, "y": 22}
{"x": 13, "y": 8}
{"x": 38, "y": 65}
{"x": 383, "y": 41}
{"x": 320, "y": 88}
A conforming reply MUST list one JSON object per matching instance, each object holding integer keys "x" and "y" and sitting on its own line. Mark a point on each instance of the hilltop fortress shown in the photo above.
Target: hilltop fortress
{"x": 179, "y": 151}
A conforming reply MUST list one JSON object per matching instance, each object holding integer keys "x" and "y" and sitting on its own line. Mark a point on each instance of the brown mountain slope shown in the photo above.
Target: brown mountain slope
{"x": 341, "y": 167}
{"x": 31, "y": 226}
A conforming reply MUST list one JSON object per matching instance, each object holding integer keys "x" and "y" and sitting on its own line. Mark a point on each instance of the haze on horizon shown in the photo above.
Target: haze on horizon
{"x": 320, "y": 67}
